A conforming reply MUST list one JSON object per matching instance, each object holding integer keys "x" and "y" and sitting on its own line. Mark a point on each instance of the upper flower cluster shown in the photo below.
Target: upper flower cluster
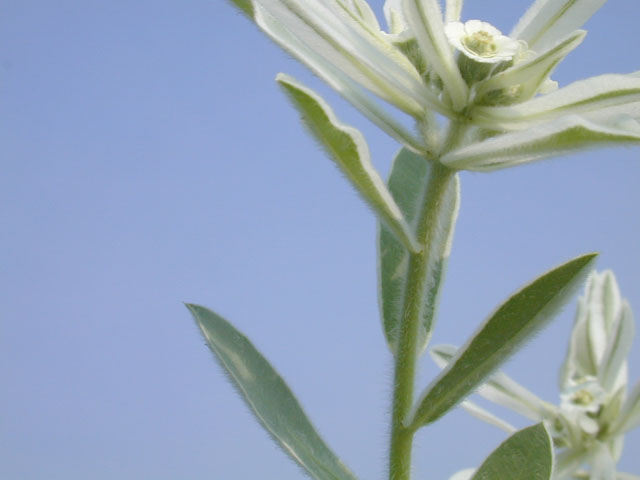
{"x": 596, "y": 409}
{"x": 494, "y": 88}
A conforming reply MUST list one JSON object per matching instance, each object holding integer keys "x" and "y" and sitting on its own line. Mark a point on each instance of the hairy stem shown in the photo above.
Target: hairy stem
{"x": 405, "y": 361}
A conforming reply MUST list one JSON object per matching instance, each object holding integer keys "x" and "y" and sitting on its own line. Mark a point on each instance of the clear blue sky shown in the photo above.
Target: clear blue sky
{"x": 148, "y": 158}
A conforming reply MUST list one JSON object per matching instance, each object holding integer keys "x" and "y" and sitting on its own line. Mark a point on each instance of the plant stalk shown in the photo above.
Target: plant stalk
{"x": 405, "y": 360}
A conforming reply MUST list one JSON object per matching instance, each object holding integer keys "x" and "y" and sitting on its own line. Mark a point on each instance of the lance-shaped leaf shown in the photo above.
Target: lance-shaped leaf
{"x": 523, "y": 80}
{"x": 547, "y": 21}
{"x": 565, "y": 135}
{"x": 596, "y": 98}
{"x": 344, "y": 40}
{"x": 516, "y": 320}
{"x": 629, "y": 417}
{"x": 269, "y": 397}
{"x": 245, "y": 6}
{"x": 453, "y": 10}
{"x": 603, "y": 466}
{"x": 425, "y": 20}
{"x": 614, "y": 360}
{"x": 349, "y": 151}
{"x": 525, "y": 455}
{"x": 501, "y": 389}
{"x": 338, "y": 80}
{"x": 408, "y": 183}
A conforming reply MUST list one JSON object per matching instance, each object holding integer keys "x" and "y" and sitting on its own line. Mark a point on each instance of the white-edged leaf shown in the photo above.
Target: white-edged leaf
{"x": 409, "y": 186}
{"x": 596, "y": 98}
{"x": 486, "y": 416}
{"x": 348, "y": 149}
{"x": 453, "y": 11}
{"x": 502, "y": 389}
{"x": 506, "y": 330}
{"x": 525, "y": 455}
{"x": 344, "y": 40}
{"x": 603, "y": 466}
{"x": 562, "y": 136}
{"x": 465, "y": 474}
{"x": 629, "y": 417}
{"x": 362, "y": 9}
{"x": 547, "y": 21}
{"x": 338, "y": 80}
{"x": 525, "y": 78}
{"x": 269, "y": 397}
{"x": 619, "y": 343}
{"x": 426, "y": 22}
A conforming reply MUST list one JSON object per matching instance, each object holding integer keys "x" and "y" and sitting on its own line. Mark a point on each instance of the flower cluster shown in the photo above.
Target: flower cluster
{"x": 494, "y": 89}
{"x": 596, "y": 408}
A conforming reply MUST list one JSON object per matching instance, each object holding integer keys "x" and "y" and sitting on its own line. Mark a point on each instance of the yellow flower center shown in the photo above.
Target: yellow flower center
{"x": 481, "y": 44}
{"x": 582, "y": 397}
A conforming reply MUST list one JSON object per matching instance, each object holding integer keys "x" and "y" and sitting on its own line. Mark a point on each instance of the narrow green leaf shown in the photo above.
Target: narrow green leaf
{"x": 349, "y": 151}
{"x": 245, "y": 6}
{"x": 502, "y": 389}
{"x": 408, "y": 184}
{"x": 269, "y": 397}
{"x": 516, "y": 320}
{"x": 525, "y": 455}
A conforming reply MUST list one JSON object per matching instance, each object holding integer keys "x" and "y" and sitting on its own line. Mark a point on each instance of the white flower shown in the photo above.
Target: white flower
{"x": 481, "y": 41}
{"x": 595, "y": 411}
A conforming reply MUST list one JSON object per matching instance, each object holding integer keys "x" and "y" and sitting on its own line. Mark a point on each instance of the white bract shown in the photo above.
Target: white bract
{"x": 492, "y": 88}
{"x": 596, "y": 408}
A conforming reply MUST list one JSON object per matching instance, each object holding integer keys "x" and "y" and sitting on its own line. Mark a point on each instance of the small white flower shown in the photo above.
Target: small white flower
{"x": 481, "y": 41}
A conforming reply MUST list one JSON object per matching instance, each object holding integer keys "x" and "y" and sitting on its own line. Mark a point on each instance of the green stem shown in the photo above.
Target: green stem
{"x": 405, "y": 361}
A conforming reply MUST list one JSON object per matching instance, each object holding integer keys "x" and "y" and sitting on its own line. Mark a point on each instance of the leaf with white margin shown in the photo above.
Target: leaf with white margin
{"x": 362, "y": 9}
{"x": 596, "y": 314}
{"x": 395, "y": 17}
{"x": 465, "y": 474}
{"x": 595, "y": 98}
{"x": 348, "y": 149}
{"x": 408, "y": 184}
{"x": 500, "y": 336}
{"x": 619, "y": 343}
{"x": 629, "y": 417}
{"x": 269, "y": 397}
{"x": 603, "y": 466}
{"x": 562, "y": 136}
{"x": 453, "y": 11}
{"x": 350, "y": 45}
{"x": 338, "y": 80}
{"x": 527, "y": 76}
{"x": 486, "y": 416}
{"x": 525, "y": 455}
{"x": 425, "y": 20}
{"x": 502, "y": 389}
{"x": 547, "y": 21}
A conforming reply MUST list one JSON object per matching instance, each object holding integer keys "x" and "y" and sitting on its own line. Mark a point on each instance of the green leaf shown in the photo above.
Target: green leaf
{"x": 408, "y": 183}
{"x": 245, "y": 6}
{"x": 349, "y": 151}
{"x": 516, "y": 320}
{"x": 502, "y": 389}
{"x": 525, "y": 455}
{"x": 269, "y": 397}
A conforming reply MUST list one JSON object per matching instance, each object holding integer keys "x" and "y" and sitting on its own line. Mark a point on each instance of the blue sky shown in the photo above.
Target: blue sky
{"x": 148, "y": 158}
